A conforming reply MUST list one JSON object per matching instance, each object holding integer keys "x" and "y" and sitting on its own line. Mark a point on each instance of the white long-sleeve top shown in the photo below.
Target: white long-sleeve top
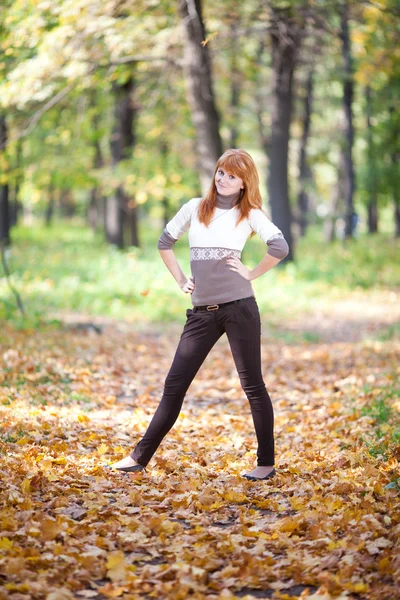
{"x": 210, "y": 246}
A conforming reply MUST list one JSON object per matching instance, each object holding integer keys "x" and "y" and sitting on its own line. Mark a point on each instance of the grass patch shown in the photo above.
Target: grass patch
{"x": 392, "y": 332}
{"x": 383, "y": 408}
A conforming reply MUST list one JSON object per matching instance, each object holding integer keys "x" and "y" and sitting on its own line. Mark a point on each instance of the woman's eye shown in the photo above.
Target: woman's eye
{"x": 231, "y": 177}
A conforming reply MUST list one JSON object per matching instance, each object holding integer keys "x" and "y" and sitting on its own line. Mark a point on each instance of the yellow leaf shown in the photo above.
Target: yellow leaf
{"x": 378, "y": 488}
{"x": 168, "y": 526}
{"x": 46, "y": 464}
{"x": 359, "y": 587}
{"x": 50, "y": 529}
{"x": 288, "y": 525}
{"x": 83, "y": 419}
{"x": 384, "y": 565}
{"x": 297, "y": 503}
{"x": 232, "y": 496}
{"x": 116, "y": 566}
{"x": 5, "y": 543}
{"x": 102, "y": 449}
{"x": 22, "y": 441}
{"x": 26, "y": 486}
{"x": 17, "y": 587}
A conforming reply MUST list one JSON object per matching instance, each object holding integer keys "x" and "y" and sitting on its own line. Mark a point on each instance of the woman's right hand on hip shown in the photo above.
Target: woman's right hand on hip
{"x": 188, "y": 286}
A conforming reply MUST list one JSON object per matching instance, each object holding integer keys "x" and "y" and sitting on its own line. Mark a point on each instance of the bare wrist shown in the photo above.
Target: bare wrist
{"x": 182, "y": 281}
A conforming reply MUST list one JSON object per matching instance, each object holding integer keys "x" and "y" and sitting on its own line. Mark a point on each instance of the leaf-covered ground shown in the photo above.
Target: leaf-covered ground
{"x": 327, "y": 526}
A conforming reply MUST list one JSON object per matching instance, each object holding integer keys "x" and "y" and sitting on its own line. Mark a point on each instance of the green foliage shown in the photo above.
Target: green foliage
{"x": 82, "y": 47}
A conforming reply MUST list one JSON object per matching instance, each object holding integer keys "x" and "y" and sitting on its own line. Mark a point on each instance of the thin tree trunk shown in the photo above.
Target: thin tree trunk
{"x": 284, "y": 51}
{"x": 260, "y": 101}
{"x": 66, "y": 203}
{"x": 396, "y": 193}
{"x": 338, "y": 195}
{"x": 130, "y": 139}
{"x": 235, "y": 85}
{"x": 14, "y": 209}
{"x": 133, "y": 222}
{"x": 348, "y": 92}
{"x": 16, "y": 204}
{"x": 372, "y": 183}
{"x": 114, "y": 218}
{"x": 304, "y": 169}
{"x": 96, "y": 203}
{"x": 50, "y": 205}
{"x": 394, "y": 145}
{"x": 397, "y": 219}
{"x": 122, "y": 142}
{"x": 198, "y": 77}
{"x": 5, "y": 237}
{"x": 164, "y": 159}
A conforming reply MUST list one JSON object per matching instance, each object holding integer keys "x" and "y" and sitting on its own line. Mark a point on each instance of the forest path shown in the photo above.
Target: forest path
{"x": 191, "y": 526}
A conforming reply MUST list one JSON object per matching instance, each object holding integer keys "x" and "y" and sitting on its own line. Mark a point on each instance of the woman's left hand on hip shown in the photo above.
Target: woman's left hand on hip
{"x": 235, "y": 264}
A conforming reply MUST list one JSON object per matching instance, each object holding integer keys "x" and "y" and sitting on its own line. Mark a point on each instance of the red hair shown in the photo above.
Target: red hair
{"x": 239, "y": 163}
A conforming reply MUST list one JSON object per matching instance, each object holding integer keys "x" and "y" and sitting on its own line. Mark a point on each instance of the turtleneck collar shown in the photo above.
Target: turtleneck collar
{"x": 228, "y": 201}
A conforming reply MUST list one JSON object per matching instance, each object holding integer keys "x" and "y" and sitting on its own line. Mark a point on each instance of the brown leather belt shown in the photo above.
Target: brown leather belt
{"x": 217, "y": 306}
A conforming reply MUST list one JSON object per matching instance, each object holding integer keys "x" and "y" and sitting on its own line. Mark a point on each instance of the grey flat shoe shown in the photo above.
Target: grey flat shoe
{"x": 273, "y": 472}
{"x": 131, "y": 469}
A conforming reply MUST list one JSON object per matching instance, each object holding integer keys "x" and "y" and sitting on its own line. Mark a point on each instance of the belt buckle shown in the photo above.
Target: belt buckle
{"x": 213, "y": 307}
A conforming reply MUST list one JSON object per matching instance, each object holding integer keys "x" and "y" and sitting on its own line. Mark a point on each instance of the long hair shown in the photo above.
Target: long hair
{"x": 240, "y": 164}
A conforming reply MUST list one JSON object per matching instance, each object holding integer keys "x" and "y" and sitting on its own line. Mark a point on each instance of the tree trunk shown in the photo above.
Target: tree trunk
{"x": 396, "y": 192}
{"x": 50, "y": 206}
{"x": 164, "y": 160}
{"x": 198, "y": 77}
{"x": 235, "y": 85}
{"x": 260, "y": 100}
{"x": 66, "y": 203}
{"x": 96, "y": 204}
{"x": 284, "y": 50}
{"x": 338, "y": 195}
{"x": 15, "y": 206}
{"x": 348, "y": 91}
{"x": 92, "y": 210}
{"x": 304, "y": 169}
{"x": 4, "y": 191}
{"x": 372, "y": 179}
{"x": 114, "y": 218}
{"x": 133, "y": 222}
{"x": 14, "y": 210}
{"x": 122, "y": 143}
{"x": 394, "y": 145}
{"x": 397, "y": 220}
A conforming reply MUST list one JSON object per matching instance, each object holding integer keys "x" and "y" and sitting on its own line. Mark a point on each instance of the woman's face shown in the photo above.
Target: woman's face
{"x": 226, "y": 183}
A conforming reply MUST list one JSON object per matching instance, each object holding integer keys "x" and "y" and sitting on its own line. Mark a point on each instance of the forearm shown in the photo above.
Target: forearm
{"x": 265, "y": 265}
{"x": 172, "y": 265}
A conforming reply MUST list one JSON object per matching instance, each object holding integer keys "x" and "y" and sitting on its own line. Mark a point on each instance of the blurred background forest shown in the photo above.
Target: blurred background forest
{"x": 112, "y": 115}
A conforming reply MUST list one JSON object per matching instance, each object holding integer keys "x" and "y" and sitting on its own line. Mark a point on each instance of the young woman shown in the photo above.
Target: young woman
{"x": 223, "y": 301}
